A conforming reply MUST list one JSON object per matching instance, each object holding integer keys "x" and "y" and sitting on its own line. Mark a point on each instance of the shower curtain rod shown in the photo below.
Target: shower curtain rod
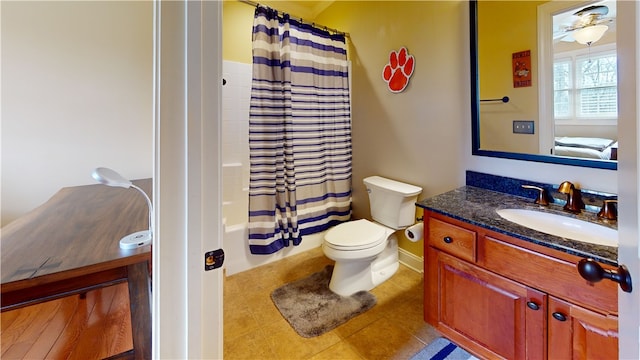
{"x": 252, "y": 3}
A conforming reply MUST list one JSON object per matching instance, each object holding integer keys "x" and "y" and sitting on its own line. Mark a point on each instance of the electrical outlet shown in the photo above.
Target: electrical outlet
{"x": 523, "y": 127}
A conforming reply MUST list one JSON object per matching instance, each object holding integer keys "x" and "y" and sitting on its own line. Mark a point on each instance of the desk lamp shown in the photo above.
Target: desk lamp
{"x": 111, "y": 178}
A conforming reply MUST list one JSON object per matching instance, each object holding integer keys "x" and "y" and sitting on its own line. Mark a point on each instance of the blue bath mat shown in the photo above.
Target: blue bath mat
{"x": 443, "y": 349}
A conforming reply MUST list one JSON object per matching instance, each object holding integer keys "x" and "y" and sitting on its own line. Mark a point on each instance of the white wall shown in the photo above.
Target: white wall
{"x": 76, "y": 94}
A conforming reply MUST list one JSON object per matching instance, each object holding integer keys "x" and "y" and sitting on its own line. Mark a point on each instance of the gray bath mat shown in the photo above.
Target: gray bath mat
{"x": 312, "y": 309}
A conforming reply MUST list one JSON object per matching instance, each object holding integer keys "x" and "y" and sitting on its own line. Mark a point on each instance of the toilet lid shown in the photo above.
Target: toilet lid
{"x": 355, "y": 235}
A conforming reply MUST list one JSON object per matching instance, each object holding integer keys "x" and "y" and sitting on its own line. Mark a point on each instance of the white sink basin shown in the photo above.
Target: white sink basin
{"x": 562, "y": 226}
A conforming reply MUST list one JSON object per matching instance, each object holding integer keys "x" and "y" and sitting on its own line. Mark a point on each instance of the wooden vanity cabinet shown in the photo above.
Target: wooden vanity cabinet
{"x": 501, "y": 297}
{"x": 577, "y": 333}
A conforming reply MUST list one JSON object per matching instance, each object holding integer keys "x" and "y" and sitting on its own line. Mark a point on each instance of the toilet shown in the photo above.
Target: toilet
{"x": 366, "y": 252}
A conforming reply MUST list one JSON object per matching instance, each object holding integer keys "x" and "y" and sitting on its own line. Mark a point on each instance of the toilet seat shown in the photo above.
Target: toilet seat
{"x": 355, "y": 235}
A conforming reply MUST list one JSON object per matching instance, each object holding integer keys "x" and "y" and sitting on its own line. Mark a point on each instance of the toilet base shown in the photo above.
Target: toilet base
{"x": 351, "y": 276}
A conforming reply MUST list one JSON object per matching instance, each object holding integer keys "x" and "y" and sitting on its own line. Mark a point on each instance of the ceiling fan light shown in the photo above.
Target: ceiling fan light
{"x": 590, "y": 34}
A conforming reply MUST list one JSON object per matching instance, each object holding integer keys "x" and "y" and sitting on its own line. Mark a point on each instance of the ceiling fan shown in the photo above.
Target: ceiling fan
{"x": 586, "y": 25}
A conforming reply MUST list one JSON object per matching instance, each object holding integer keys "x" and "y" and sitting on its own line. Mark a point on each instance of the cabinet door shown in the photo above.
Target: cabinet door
{"x": 578, "y": 333}
{"x": 493, "y": 316}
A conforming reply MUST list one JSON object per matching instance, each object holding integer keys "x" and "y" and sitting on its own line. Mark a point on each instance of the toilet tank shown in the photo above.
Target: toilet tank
{"x": 392, "y": 203}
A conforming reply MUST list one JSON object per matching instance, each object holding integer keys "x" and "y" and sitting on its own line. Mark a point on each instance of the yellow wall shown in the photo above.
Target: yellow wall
{"x": 500, "y": 34}
{"x": 414, "y": 136}
{"x": 237, "y": 21}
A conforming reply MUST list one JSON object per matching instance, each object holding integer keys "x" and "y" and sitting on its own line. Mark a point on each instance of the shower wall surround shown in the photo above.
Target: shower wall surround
{"x": 236, "y": 95}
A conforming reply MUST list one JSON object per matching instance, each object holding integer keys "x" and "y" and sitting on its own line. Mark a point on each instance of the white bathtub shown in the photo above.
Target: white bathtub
{"x": 238, "y": 258}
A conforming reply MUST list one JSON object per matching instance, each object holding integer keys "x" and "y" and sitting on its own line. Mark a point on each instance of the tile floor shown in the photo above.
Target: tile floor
{"x": 254, "y": 329}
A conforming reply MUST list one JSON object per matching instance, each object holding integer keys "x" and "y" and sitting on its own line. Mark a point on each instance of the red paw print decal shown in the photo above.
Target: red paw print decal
{"x": 399, "y": 69}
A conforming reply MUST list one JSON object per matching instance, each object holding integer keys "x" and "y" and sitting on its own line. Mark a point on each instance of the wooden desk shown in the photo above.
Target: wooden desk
{"x": 70, "y": 245}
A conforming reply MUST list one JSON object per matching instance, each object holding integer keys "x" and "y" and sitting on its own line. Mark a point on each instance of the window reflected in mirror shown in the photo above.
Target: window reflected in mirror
{"x": 585, "y": 84}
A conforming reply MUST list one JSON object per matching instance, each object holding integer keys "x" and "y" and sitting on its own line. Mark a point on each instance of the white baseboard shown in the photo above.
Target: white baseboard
{"x": 410, "y": 260}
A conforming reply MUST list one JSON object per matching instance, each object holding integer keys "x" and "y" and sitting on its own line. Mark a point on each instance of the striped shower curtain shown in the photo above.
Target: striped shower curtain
{"x": 299, "y": 132}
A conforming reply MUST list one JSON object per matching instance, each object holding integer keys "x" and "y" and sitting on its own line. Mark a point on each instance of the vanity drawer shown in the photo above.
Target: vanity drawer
{"x": 554, "y": 276}
{"x": 452, "y": 239}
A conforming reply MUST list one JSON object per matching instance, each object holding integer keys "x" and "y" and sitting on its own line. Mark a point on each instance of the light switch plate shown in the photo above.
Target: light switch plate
{"x": 523, "y": 127}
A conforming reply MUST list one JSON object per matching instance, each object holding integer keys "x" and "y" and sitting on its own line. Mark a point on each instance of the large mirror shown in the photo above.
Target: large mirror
{"x": 543, "y": 81}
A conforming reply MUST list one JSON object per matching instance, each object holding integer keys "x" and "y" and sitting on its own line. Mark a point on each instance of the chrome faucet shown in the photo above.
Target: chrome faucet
{"x": 574, "y": 197}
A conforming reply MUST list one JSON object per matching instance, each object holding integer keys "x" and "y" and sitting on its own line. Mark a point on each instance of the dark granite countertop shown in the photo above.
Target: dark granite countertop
{"x": 478, "y": 206}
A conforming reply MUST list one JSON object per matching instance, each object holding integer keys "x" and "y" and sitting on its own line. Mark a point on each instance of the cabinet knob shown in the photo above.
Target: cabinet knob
{"x": 532, "y": 305}
{"x": 448, "y": 239}
{"x": 559, "y": 316}
{"x": 593, "y": 272}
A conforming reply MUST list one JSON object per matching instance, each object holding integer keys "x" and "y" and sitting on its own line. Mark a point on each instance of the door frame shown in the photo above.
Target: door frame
{"x": 628, "y": 22}
{"x": 187, "y": 300}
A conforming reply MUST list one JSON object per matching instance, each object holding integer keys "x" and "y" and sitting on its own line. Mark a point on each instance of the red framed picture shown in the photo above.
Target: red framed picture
{"x": 521, "y": 65}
